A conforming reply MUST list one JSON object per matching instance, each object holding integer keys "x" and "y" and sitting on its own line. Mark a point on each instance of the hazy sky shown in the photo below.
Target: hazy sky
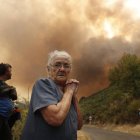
{"x": 96, "y": 34}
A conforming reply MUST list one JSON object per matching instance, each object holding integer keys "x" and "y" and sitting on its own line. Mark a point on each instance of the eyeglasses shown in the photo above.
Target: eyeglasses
{"x": 59, "y": 65}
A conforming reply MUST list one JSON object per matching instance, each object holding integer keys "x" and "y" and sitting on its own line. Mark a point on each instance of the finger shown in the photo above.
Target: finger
{"x": 72, "y": 81}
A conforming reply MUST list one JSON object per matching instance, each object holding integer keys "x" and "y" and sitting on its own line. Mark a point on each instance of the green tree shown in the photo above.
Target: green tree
{"x": 126, "y": 74}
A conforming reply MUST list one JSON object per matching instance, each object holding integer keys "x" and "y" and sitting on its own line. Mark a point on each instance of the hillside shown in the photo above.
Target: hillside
{"x": 111, "y": 105}
{"x": 120, "y": 102}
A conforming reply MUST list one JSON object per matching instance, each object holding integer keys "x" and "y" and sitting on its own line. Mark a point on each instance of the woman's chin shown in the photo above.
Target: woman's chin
{"x": 61, "y": 80}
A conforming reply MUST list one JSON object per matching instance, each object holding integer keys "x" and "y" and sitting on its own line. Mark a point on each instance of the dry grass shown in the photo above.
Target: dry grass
{"x": 133, "y": 129}
{"x": 82, "y": 136}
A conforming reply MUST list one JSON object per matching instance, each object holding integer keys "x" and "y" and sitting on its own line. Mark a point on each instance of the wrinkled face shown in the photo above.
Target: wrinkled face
{"x": 59, "y": 70}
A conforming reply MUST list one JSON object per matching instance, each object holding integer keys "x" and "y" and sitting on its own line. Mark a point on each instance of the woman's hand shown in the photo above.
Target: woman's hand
{"x": 72, "y": 86}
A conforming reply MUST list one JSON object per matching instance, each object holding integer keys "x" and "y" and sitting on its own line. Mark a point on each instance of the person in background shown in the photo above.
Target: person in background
{"x": 15, "y": 116}
{"x": 54, "y": 113}
{"x": 7, "y": 95}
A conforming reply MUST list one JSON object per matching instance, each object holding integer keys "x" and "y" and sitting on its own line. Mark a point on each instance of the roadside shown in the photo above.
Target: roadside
{"x": 131, "y": 129}
{"x": 82, "y": 135}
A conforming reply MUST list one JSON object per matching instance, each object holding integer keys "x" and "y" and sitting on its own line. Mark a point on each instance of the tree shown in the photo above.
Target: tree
{"x": 126, "y": 74}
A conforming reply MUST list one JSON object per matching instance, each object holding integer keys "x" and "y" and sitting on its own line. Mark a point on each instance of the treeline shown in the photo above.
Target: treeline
{"x": 120, "y": 102}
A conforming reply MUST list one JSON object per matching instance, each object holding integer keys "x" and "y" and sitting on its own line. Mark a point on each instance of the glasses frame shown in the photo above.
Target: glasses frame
{"x": 59, "y": 66}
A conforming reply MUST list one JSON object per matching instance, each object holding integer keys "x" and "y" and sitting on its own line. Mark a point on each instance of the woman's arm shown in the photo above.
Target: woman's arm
{"x": 79, "y": 115}
{"x": 56, "y": 114}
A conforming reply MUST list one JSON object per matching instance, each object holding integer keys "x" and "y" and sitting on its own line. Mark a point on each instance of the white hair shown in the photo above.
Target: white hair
{"x": 55, "y": 54}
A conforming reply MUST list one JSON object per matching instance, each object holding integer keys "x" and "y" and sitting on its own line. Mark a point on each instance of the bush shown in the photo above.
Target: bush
{"x": 17, "y": 128}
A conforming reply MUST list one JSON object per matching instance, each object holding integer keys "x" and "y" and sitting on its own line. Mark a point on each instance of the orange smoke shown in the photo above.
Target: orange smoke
{"x": 96, "y": 34}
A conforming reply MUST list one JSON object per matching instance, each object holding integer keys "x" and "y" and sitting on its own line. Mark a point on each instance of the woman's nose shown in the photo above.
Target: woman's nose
{"x": 62, "y": 67}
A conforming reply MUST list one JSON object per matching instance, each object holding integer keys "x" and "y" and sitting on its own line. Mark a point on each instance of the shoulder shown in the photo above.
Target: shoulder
{"x": 47, "y": 82}
{"x": 42, "y": 81}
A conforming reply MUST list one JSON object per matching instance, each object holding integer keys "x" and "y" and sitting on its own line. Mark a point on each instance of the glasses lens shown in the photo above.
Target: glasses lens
{"x": 59, "y": 65}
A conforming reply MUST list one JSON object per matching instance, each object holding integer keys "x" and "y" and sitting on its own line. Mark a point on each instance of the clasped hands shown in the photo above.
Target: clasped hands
{"x": 72, "y": 86}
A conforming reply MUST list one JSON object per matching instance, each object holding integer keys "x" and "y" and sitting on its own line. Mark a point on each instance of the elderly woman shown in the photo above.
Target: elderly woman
{"x": 54, "y": 113}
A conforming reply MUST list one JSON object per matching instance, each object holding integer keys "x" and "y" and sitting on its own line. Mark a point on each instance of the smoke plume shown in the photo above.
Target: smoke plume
{"x": 96, "y": 34}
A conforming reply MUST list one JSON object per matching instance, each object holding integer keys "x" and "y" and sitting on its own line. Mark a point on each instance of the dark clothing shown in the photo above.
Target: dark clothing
{"x": 16, "y": 115}
{"x": 5, "y": 132}
{"x": 7, "y": 91}
{"x": 7, "y": 94}
{"x": 6, "y": 107}
{"x": 45, "y": 93}
{"x": 6, "y": 104}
